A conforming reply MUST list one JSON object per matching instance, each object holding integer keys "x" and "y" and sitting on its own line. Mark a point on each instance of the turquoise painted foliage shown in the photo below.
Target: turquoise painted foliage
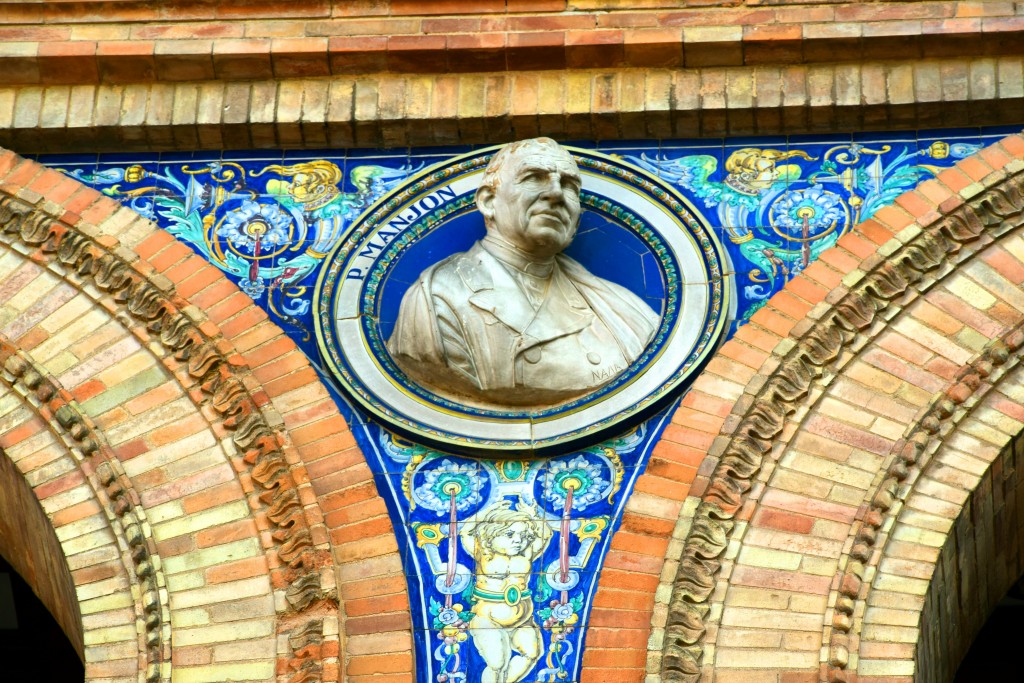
{"x": 269, "y": 225}
{"x": 780, "y": 208}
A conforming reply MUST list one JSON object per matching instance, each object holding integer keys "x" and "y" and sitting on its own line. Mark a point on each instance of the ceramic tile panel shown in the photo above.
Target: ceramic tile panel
{"x": 503, "y": 554}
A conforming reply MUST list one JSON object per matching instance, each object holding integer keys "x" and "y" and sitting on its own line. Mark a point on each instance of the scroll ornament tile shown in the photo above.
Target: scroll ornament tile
{"x": 505, "y": 500}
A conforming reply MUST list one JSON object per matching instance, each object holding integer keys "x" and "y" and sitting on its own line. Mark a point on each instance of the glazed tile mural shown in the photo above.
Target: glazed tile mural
{"x": 503, "y": 555}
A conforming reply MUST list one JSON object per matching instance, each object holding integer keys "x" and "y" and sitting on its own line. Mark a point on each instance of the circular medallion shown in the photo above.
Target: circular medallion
{"x": 482, "y": 339}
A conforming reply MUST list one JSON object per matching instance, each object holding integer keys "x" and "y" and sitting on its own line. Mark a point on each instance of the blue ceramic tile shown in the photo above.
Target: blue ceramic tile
{"x": 997, "y": 133}
{"x": 273, "y": 156}
{"x": 624, "y": 147}
{"x": 855, "y": 171}
{"x": 63, "y": 160}
{"x": 361, "y": 155}
{"x": 442, "y": 150}
{"x": 582, "y": 144}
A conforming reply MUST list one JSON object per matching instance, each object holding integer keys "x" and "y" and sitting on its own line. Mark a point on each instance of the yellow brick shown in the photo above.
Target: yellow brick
{"x": 239, "y": 630}
{"x": 894, "y": 634}
{"x": 727, "y": 658}
{"x": 218, "y": 673}
{"x": 749, "y": 638}
{"x": 151, "y": 419}
{"x": 886, "y": 667}
{"x": 66, "y": 499}
{"x": 923, "y": 520}
{"x": 845, "y": 412}
{"x": 165, "y": 511}
{"x": 891, "y": 617}
{"x": 847, "y": 495}
{"x": 918, "y": 535}
{"x": 106, "y": 602}
{"x": 203, "y": 460}
{"x": 209, "y": 557}
{"x": 112, "y": 651}
{"x": 811, "y": 604}
{"x": 233, "y": 652}
{"x": 222, "y": 592}
{"x": 96, "y": 589}
{"x": 901, "y": 584}
{"x": 742, "y": 596}
{"x": 126, "y": 369}
{"x": 827, "y": 469}
{"x": 819, "y": 566}
{"x": 89, "y": 541}
{"x": 1014, "y": 245}
{"x": 779, "y": 620}
{"x": 62, "y": 362}
{"x": 73, "y": 311}
{"x": 379, "y": 643}
{"x": 35, "y": 290}
{"x": 112, "y": 634}
{"x": 161, "y": 457}
{"x": 184, "y": 581}
{"x": 54, "y": 467}
{"x": 201, "y": 520}
{"x": 185, "y": 618}
{"x": 764, "y": 557}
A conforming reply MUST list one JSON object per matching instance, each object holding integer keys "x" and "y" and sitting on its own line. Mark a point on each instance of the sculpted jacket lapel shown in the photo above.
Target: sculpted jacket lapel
{"x": 494, "y": 344}
{"x": 496, "y": 292}
{"x": 564, "y": 312}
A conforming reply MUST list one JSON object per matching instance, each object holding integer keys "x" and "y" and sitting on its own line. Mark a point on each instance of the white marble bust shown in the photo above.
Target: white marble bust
{"x": 513, "y": 321}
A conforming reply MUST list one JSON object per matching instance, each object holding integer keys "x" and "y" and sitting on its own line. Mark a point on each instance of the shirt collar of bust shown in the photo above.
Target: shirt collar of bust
{"x": 516, "y": 258}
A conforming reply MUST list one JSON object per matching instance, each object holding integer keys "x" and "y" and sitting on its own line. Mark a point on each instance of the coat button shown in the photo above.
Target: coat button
{"x": 593, "y": 358}
{"x": 532, "y": 355}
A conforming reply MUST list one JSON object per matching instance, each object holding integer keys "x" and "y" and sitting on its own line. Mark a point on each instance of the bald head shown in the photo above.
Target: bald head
{"x": 530, "y": 196}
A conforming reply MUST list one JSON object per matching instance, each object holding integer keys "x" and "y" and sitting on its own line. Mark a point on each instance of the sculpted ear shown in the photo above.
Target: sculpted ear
{"x": 485, "y": 202}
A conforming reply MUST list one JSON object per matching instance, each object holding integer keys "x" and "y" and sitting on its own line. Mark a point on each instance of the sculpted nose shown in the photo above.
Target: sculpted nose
{"x": 552, "y": 187}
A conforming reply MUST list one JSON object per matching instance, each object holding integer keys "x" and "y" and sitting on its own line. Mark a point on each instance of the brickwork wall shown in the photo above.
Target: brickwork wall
{"x": 805, "y": 487}
{"x": 764, "y": 540}
{"x": 975, "y": 567}
{"x": 113, "y": 76}
{"x": 42, "y": 562}
{"x": 73, "y": 43}
{"x": 190, "y": 422}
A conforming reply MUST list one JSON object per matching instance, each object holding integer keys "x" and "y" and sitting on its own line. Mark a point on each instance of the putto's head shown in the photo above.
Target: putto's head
{"x": 530, "y": 196}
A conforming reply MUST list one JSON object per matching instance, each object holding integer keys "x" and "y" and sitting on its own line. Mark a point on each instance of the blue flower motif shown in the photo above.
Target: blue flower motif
{"x": 821, "y": 209}
{"x": 461, "y": 479}
{"x": 251, "y": 220}
{"x": 562, "y": 611}
{"x": 585, "y": 478}
{"x": 253, "y": 288}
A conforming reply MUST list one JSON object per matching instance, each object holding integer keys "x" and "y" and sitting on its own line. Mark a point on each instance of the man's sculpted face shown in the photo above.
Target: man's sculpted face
{"x": 536, "y": 204}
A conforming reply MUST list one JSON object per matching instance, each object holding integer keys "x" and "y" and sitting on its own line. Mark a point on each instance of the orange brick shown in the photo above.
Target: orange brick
{"x": 239, "y": 569}
{"x": 618, "y": 578}
{"x": 211, "y": 497}
{"x": 364, "y": 529}
{"x": 396, "y": 662}
{"x": 394, "y": 602}
{"x": 225, "y": 533}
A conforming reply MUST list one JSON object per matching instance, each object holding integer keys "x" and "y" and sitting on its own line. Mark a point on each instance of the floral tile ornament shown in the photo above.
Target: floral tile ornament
{"x": 503, "y": 553}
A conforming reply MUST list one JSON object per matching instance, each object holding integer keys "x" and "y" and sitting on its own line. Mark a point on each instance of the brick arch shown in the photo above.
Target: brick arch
{"x": 822, "y": 418}
{"x": 697, "y": 536}
{"x": 934, "y": 548}
{"x": 86, "y": 545}
{"x": 153, "y": 347}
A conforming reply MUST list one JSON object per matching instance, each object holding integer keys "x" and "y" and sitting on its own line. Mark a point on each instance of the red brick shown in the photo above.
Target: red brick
{"x": 784, "y": 521}
{"x": 238, "y": 569}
